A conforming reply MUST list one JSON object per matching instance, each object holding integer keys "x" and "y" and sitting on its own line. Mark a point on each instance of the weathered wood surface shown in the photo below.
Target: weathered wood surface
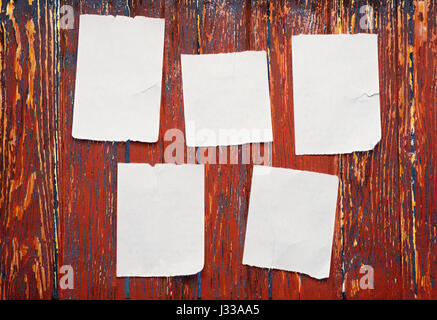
{"x": 58, "y": 194}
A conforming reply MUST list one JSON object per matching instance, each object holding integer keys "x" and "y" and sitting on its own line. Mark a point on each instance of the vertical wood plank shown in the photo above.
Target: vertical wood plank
{"x": 178, "y": 21}
{"x": 425, "y": 135}
{"x": 87, "y": 182}
{"x": 225, "y": 26}
{"x": 370, "y": 180}
{"x": 287, "y": 19}
{"x": 418, "y": 152}
{"x": 27, "y": 68}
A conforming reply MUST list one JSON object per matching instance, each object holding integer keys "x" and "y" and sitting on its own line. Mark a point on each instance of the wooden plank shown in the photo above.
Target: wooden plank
{"x": 286, "y": 19}
{"x": 369, "y": 187}
{"x": 418, "y": 151}
{"x": 179, "y": 21}
{"x": 87, "y": 184}
{"x": 27, "y": 120}
{"x": 223, "y": 27}
{"x": 425, "y": 134}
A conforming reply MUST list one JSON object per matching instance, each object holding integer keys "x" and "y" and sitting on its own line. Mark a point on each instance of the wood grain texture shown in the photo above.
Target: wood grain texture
{"x": 27, "y": 42}
{"x": 58, "y": 194}
{"x": 369, "y": 198}
{"x": 418, "y": 153}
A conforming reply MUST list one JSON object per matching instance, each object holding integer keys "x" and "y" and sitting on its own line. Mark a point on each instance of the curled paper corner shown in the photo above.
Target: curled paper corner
{"x": 370, "y": 146}
{"x": 194, "y": 271}
{"x": 373, "y": 144}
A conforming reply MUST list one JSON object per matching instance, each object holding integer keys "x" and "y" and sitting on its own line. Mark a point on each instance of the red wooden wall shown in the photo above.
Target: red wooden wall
{"x": 58, "y": 194}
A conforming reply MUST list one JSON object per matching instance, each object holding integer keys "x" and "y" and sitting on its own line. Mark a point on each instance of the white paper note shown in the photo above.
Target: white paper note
{"x": 291, "y": 220}
{"x": 335, "y": 93}
{"x": 160, "y": 220}
{"x": 118, "y": 78}
{"x": 226, "y": 98}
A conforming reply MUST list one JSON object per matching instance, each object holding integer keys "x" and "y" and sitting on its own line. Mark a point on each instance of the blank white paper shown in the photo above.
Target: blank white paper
{"x": 291, "y": 221}
{"x": 118, "y": 78}
{"x": 160, "y": 220}
{"x": 226, "y": 98}
{"x": 335, "y": 93}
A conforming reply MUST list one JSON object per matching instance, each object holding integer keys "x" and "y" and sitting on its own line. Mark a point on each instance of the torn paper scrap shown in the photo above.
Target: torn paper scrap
{"x": 291, "y": 220}
{"x": 226, "y": 98}
{"x": 118, "y": 78}
{"x": 160, "y": 220}
{"x": 335, "y": 93}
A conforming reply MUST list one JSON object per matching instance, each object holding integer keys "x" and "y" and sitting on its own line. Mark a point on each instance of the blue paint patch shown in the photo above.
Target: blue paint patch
{"x": 199, "y": 285}
{"x": 127, "y": 152}
{"x": 126, "y": 281}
